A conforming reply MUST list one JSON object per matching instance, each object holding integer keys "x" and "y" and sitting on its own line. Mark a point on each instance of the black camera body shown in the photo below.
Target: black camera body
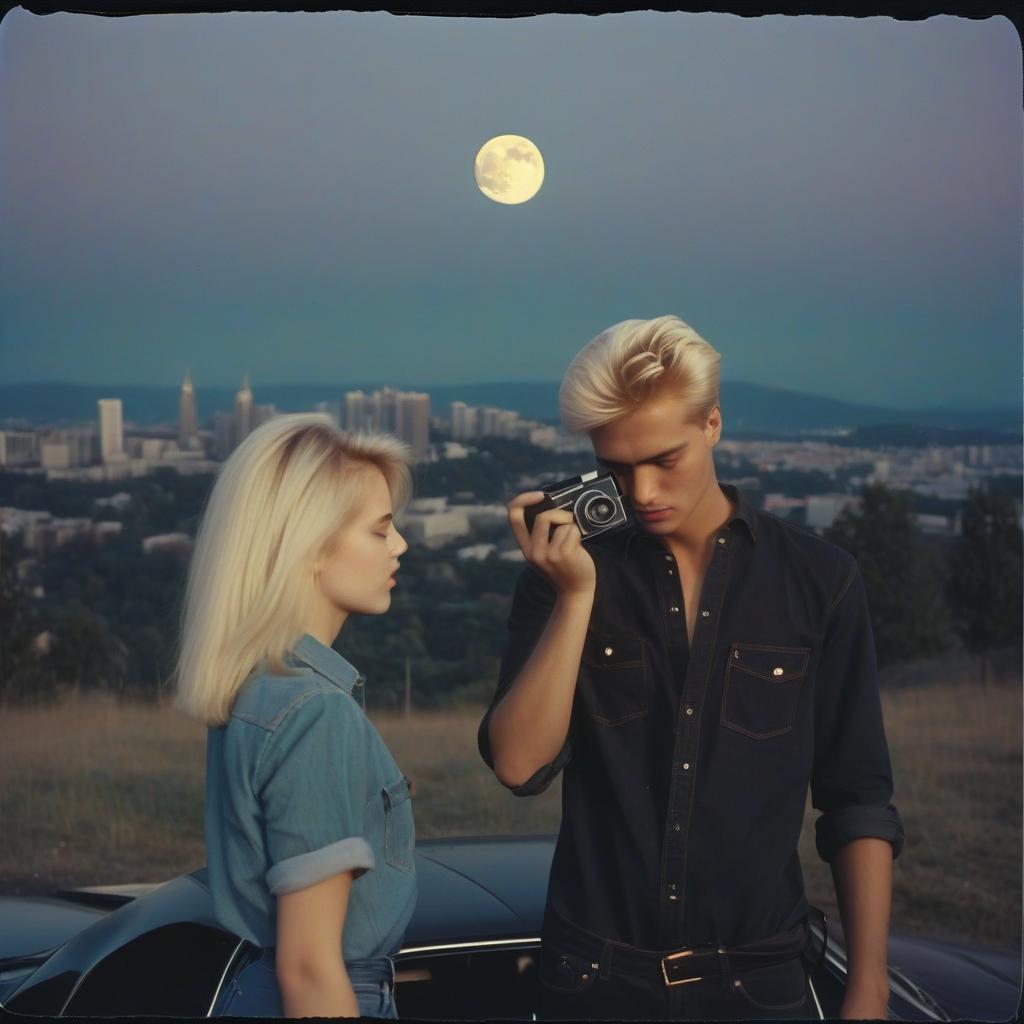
{"x": 597, "y": 505}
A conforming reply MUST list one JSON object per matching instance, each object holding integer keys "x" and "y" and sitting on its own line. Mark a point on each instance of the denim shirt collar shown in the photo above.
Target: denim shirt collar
{"x": 328, "y": 662}
{"x": 745, "y": 513}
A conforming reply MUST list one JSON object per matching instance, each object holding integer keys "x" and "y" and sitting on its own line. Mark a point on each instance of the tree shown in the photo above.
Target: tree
{"x": 984, "y": 584}
{"x": 84, "y": 652}
{"x": 21, "y": 670}
{"x": 903, "y": 581}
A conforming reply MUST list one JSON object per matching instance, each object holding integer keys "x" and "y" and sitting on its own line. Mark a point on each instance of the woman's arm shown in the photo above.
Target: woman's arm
{"x": 310, "y": 968}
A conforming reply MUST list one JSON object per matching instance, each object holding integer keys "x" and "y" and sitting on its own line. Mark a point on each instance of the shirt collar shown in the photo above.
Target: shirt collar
{"x": 328, "y": 662}
{"x": 744, "y": 513}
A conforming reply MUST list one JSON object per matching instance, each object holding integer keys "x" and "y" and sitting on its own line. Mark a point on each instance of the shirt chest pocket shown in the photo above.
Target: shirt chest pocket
{"x": 399, "y": 833}
{"x": 612, "y": 684}
{"x": 762, "y": 688}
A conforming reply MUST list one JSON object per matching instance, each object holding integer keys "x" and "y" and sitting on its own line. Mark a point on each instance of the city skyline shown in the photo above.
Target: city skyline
{"x": 306, "y": 206}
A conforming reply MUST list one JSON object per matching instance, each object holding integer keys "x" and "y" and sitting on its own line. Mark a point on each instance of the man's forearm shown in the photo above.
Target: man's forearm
{"x": 862, "y": 873}
{"x": 529, "y": 724}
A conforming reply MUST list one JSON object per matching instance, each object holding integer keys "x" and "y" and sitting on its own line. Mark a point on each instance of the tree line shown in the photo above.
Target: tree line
{"x": 108, "y": 616}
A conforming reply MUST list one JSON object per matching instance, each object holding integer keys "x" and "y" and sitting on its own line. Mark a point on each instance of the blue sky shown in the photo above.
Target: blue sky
{"x": 834, "y": 203}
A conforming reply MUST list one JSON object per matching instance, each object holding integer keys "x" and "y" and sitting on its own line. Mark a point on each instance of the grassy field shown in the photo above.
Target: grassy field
{"x": 96, "y": 792}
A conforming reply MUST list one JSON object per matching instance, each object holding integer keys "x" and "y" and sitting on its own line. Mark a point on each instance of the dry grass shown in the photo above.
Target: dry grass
{"x": 99, "y": 792}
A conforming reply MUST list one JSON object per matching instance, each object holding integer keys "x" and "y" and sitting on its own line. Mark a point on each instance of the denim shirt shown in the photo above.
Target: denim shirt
{"x": 688, "y": 761}
{"x": 300, "y": 787}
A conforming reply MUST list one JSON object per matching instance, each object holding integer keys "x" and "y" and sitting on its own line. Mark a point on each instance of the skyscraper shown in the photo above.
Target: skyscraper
{"x": 356, "y": 411}
{"x": 243, "y": 412}
{"x": 464, "y": 421}
{"x": 188, "y": 417}
{"x": 223, "y": 434}
{"x": 412, "y": 421}
{"x": 385, "y": 410}
{"x": 111, "y": 430}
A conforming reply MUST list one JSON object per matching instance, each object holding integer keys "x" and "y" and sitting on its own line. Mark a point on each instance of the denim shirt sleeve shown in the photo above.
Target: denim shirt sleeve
{"x": 851, "y": 782}
{"x": 531, "y": 608}
{"x": 311, "y": 781}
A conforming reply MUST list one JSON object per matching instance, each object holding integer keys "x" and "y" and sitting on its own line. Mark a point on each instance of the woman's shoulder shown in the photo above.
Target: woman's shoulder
{"x": 266, "y": 699}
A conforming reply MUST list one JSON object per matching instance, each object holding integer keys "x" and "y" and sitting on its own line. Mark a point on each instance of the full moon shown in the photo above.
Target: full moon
{"x": 509, "y": 169}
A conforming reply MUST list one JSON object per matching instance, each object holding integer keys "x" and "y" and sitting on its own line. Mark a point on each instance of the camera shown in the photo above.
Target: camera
{"x": 595, "y": 501}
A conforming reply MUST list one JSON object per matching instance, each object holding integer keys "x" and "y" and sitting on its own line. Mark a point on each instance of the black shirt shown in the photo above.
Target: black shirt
{"x": 687, "y": 768}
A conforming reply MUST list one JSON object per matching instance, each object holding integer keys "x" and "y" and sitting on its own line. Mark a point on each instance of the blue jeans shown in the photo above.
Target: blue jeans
{"x": 254, "y": 991}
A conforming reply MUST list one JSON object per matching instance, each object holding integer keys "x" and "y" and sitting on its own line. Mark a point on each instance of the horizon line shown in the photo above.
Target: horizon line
{"x": 945, "y": 406}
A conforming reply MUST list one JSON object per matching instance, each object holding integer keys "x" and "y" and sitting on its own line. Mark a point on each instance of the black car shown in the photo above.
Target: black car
{"x": 471, "y": 948}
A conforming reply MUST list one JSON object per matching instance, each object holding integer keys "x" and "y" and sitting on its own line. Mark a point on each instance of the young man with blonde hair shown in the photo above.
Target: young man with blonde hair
{"x": 692, "y": 675}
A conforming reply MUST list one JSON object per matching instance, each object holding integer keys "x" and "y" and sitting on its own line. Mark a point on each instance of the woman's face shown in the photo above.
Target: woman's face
{"x": 357, "y": 573}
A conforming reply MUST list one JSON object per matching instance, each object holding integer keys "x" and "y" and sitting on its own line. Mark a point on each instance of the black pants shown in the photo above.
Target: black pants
{"x": 576, "y": 985}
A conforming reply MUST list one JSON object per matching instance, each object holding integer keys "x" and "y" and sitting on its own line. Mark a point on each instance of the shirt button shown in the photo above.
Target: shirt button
{"x": 671, "y": 573}
{"x": 705, "y": 613}
{"x": 689, "y": 710}
{"x": 668, "y": 558}
{"x": 674, "y": 608}
{"x": 686, "y": 767}
{"x": 609, "y": 651}
{"x": 676, "y": 827}
{"x": 721, "y": 540}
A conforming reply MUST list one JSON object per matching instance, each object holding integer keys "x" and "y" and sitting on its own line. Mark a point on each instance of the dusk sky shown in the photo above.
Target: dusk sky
{"x": 834, "y": 203}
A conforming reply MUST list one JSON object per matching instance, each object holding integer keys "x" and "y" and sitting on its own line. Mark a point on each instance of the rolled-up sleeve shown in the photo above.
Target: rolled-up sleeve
{"x": 532, "y": 603}
{"x": 311, "y": 780}
{"x": 851, "y": 783}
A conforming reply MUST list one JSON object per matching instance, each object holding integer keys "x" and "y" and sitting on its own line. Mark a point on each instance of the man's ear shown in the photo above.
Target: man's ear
{"x": 713, "y": 430}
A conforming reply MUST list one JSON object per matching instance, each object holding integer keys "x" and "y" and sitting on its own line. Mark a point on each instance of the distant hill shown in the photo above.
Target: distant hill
{"x": 747, "y": 408}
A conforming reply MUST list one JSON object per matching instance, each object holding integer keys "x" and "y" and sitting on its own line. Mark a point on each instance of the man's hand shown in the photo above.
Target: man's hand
{"x": 862, "y": 1003}
{"x": 559, "y": 555}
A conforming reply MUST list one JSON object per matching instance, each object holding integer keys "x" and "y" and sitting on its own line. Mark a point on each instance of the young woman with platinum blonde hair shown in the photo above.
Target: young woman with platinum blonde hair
{"x": 309, "y": 830}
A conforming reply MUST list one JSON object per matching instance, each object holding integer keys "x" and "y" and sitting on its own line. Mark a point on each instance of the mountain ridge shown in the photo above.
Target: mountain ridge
{"x": 745, "y": 406}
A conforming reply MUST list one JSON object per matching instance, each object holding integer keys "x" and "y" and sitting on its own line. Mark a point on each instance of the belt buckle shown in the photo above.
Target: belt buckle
{"x": 676, "y": 956}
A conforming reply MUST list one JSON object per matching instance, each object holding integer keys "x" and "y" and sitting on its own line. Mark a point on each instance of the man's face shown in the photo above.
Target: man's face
{"x": 661, "y": 462}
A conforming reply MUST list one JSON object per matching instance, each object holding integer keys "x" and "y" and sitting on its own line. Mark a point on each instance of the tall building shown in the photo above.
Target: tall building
{"x": 488, "y": 423}
{"x": 385, "y": 410}
{"x": 81, "y": 442}
{"x": 111, "y": 430}
{"x": 18, "y": 447}
{"x": 357, "y": 410}
{"x": 223, "y": 434}
{"x": 243, "y": 412}
{"x": 460, "y": 421}
{"x": 412, "y": 421}
{"x": 188, "y": 417}
{"x": 262, "y": 413}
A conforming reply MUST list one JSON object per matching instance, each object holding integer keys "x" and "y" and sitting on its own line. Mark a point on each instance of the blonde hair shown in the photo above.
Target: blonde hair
{"x": 275, "y": 507}
{"x": 631, "y": 361}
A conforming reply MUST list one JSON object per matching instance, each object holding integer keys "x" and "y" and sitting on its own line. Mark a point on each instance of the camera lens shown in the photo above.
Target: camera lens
{"x": 599, "y": 511}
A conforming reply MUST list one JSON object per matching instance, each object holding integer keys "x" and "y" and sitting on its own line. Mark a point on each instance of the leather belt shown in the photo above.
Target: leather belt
{"x": 681, "y": 966}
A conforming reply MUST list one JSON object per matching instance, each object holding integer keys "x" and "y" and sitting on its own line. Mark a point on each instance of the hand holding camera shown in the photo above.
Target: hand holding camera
{"x": 552, "y": 525}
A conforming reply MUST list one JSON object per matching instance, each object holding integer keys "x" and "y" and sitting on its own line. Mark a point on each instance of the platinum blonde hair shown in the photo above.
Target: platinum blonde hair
{"x": 631, "y": 361}
{"x": 275, "y": 507}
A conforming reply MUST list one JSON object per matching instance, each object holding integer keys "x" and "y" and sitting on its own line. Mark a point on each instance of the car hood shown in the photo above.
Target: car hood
{"x": 967, "y": 981}
{"x": 479, "y": 888}
{"x": 30, "y": 925}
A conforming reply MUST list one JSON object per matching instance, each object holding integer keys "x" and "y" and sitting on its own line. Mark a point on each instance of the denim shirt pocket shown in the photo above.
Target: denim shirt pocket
{"x": 613, "y": 684}
{"x": 762, "y": 688}
{"x": 399, "y": 832}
